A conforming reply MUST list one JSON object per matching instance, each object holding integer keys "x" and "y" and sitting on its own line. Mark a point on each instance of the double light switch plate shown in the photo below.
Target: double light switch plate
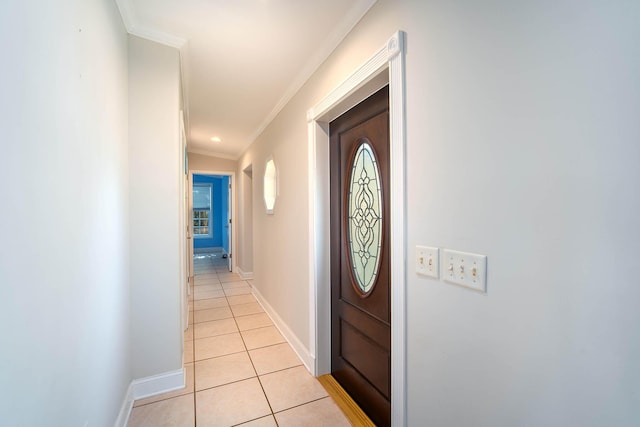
{"x": 428, "y": 261}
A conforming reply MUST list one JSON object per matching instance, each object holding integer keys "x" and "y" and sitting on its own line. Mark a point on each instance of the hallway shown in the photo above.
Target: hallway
{"x": 239, "y": 368}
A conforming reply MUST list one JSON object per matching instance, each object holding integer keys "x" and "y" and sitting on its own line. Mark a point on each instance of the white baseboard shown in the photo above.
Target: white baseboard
{"x": 245, "y": 274}
{"x": 157, "y": 384}
{"x": 149, "y": 386}
{"x": 125, "y": 408}
{"x": 303, "y": 353}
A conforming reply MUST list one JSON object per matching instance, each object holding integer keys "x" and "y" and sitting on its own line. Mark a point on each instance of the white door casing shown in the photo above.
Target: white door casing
{"x": 185, "y": 234}
{"x": 190, "y": 223}
{"x": 232, "y": 210}
{"x": 229, "y": 227}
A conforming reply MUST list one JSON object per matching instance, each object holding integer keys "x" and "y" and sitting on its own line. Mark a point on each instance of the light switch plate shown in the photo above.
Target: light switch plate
{"x": 428, "y": 261}
{"x": 465, "y": 269}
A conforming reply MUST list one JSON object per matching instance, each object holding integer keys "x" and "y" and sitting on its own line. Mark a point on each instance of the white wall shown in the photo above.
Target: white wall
{"x": 155, "y": 201}
{"x": 527, "y": 127}
{"x": 522, "y": 144}
{"x": 64, "y": 284}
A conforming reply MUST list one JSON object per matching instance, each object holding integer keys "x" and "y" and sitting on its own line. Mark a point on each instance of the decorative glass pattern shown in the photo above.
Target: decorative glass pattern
{"x": 364, "y": 217}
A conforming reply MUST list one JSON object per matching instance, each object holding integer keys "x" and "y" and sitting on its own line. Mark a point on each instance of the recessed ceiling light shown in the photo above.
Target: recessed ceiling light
{"x": 216, "y": 139}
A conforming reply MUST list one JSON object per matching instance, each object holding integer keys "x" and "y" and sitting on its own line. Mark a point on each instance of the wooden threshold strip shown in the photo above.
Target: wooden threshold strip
{"x": 345, "y": 402}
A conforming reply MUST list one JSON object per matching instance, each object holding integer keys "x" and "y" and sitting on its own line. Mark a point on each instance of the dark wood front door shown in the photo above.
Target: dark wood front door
{"x": 360, "y": 270}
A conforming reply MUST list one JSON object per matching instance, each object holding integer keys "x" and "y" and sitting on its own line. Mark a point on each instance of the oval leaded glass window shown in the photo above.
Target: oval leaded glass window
{"x": 364, "y": 217}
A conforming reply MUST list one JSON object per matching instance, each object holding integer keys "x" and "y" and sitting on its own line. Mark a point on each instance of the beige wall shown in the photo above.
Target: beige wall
{"x": 280, "y": 241}
{"x": 201, "y": 162}
{"x": 522, "y": 144}
{"x": 155, "y": 173}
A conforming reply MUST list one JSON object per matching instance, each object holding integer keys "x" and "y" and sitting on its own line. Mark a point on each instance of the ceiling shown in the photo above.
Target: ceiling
{"x": 242, "y": 60}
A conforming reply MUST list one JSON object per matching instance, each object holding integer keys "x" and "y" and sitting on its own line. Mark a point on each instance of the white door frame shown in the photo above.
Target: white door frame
{"x": 232, "y": 235}
{"x": 189, "y": 228}
{"x": 186, "y": 247}
{"x": 385, "y": 66}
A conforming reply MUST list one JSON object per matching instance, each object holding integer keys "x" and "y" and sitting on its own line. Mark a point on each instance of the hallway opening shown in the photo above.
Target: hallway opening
{"x": 211, "y": 215}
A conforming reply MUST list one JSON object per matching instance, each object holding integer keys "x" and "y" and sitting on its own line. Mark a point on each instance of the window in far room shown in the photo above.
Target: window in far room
{"x": 202, "y": 210}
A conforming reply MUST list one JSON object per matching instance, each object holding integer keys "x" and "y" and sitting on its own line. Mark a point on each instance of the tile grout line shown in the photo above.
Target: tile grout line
{"x": 222, "y": 355}
{"x": 257, "y": 376}
{"x": 281, "y": 370}
{"x": 226, "y": 297}
{"x": 193, "y": 322}
{"x": 302, "y": 404}
{"x": 246, "y": 350}
{"x": 244, "y": 379}
{"x": 227, "y": 293}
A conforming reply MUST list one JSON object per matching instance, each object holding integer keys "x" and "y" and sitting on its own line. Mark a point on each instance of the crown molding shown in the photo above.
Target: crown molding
{"x": 158, "y": 36}
{"x": 351, "y": 19}
{"x": 133, "y": 26}
{"x": 212, "y": 154}
{"x": 127, "y": 13}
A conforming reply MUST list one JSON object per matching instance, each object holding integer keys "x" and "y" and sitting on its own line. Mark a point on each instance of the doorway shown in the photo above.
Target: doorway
{"x": 212, "y": 215}
{"x": 245, "y": 263}
{"x": 360, "y": 276}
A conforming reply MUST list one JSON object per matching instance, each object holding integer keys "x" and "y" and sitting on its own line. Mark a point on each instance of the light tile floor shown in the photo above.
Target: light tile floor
{"x": 240, "y": 369}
